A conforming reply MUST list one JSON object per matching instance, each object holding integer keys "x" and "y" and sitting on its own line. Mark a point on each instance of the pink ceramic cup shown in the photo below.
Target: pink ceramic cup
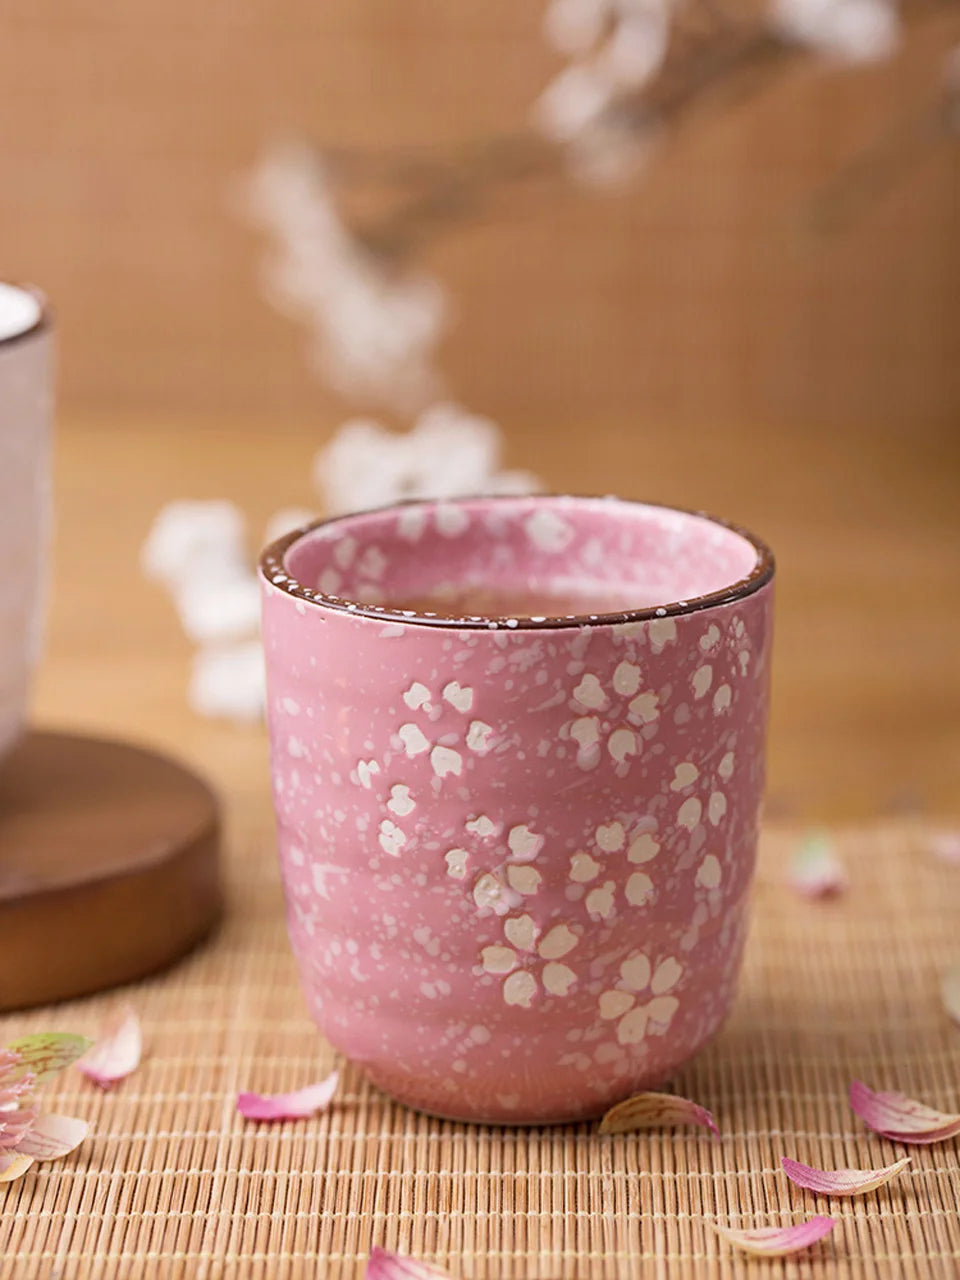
{"x": 517, "y": 852}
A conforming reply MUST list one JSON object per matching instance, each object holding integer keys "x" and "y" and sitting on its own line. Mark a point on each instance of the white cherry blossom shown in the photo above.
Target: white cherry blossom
{"x": 374, "y": 330}
{"x": 448, "y": 453}
{"x": 849, "y": 30}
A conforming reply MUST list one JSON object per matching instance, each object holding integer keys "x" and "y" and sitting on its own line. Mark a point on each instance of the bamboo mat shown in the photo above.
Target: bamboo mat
{"x": 174, "y": 1184}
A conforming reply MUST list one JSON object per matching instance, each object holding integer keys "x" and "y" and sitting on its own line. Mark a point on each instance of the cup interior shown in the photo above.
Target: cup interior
{"x": 20, "y": 311}
{"x": 534, "y": 558}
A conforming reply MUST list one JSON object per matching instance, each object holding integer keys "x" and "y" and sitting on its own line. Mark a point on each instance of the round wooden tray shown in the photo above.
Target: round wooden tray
{"x": 108, "y": 866}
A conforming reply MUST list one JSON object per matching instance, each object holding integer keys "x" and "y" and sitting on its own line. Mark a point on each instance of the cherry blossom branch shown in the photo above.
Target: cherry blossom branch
{"x": 349, "y": 227}
{"x": 452, "y": 186}
{"x": 714, "y": 60}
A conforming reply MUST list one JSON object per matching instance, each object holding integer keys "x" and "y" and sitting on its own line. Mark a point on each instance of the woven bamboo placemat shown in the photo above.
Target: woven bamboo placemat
{"x": 173, "y": 1183}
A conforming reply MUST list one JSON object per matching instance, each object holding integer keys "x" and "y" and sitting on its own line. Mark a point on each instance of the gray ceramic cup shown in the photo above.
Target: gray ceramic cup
{"x": 26, "y": 372}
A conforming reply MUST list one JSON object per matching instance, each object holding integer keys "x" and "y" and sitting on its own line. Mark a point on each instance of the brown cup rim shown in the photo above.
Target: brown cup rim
{"x": 273, "y": 570}
{"x": 42, "y": 321}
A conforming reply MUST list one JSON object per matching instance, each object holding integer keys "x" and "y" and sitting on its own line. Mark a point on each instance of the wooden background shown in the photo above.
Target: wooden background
{"x": 699, "y": 296}
{"x": 689, "y": 341}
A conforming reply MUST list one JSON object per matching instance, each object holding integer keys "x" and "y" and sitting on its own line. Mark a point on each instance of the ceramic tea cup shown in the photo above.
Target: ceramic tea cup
{"x": 518, "y": 758}
{"x": 25, "y": 398}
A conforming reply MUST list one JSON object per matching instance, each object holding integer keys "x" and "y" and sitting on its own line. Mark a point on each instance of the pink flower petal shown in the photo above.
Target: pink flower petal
{"x": 382, "y": 1265}
{"x": 656, "y": 1111}
{"x": 51, "y": 1137}
{"x": 13, "y": 1125}
{"x": 16, "y": 1095}
{"x": 778, "y": 1242}
{"x": 8, "y": 1062}
{"x": 116, "y": 1054}
{"x": 950, "y": 991}
{"x": 13, "y": 1165}
{"x": 289, "y": 1106}
{"x": 945, "y": 845}
{"x": 45, "y": 1054}
{"x": 902, "y": 1119}
{"x": 815, "y": 870}
{"x": 840, "y": 1182}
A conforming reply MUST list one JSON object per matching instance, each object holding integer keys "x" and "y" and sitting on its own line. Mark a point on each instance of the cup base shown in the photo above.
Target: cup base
{"x": 551, "y": 1098}
{"x": 522, "y": 1118}
{"x": 594, "y": 1112}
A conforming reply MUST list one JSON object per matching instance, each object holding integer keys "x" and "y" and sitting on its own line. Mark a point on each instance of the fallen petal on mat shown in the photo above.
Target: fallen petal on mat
{"x": 656, "y": 1111}
{"x": 13, "y": 1165}
{"x": 778, "y": 1242}
{"x": 382, "y": 1265}
{"x": 840, "y": 1182}
{"x": 902, "y": 1119}
{"x": 47, "y": 1053}
{"x": 950, "y": 991}
{"x": 50, "y": 1137}
{"x": 116, "y": 1053}
{"x": 815, "y": 870}
{"x": 298, "y": 1105}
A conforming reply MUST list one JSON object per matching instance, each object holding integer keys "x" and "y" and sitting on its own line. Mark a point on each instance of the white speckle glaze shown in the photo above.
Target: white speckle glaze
{"x": 25, "y": 404}
{"x": 576, "y": 856}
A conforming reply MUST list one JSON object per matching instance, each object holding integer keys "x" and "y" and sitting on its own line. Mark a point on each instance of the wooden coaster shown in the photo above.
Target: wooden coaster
{"x": 108, "y": 866}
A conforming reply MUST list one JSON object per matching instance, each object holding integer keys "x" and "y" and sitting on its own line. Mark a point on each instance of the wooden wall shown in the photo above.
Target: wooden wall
{"x": 700, "y": 295}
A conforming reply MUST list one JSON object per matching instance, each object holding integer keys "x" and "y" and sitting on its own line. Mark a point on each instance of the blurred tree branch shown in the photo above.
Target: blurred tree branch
{"x": 715, "y": 61}
{"x": 884, "y": 163}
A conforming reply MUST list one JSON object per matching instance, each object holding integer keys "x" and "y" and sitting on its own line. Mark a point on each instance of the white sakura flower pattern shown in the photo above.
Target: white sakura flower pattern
{"x": 526, "y": 960}
{"x": 635, "y": 1017}
{"x": 612, "y": 843}
{"x": 505, "y": 885}
{"x": 613, "y": 718}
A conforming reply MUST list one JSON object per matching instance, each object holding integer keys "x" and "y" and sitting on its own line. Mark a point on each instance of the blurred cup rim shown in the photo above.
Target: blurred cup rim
{"x": 34, "y": 312}
{"x": 274, "y": 571}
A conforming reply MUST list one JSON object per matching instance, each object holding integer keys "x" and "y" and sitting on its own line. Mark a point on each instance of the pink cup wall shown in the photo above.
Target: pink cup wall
{"x": 517, "y": 859}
